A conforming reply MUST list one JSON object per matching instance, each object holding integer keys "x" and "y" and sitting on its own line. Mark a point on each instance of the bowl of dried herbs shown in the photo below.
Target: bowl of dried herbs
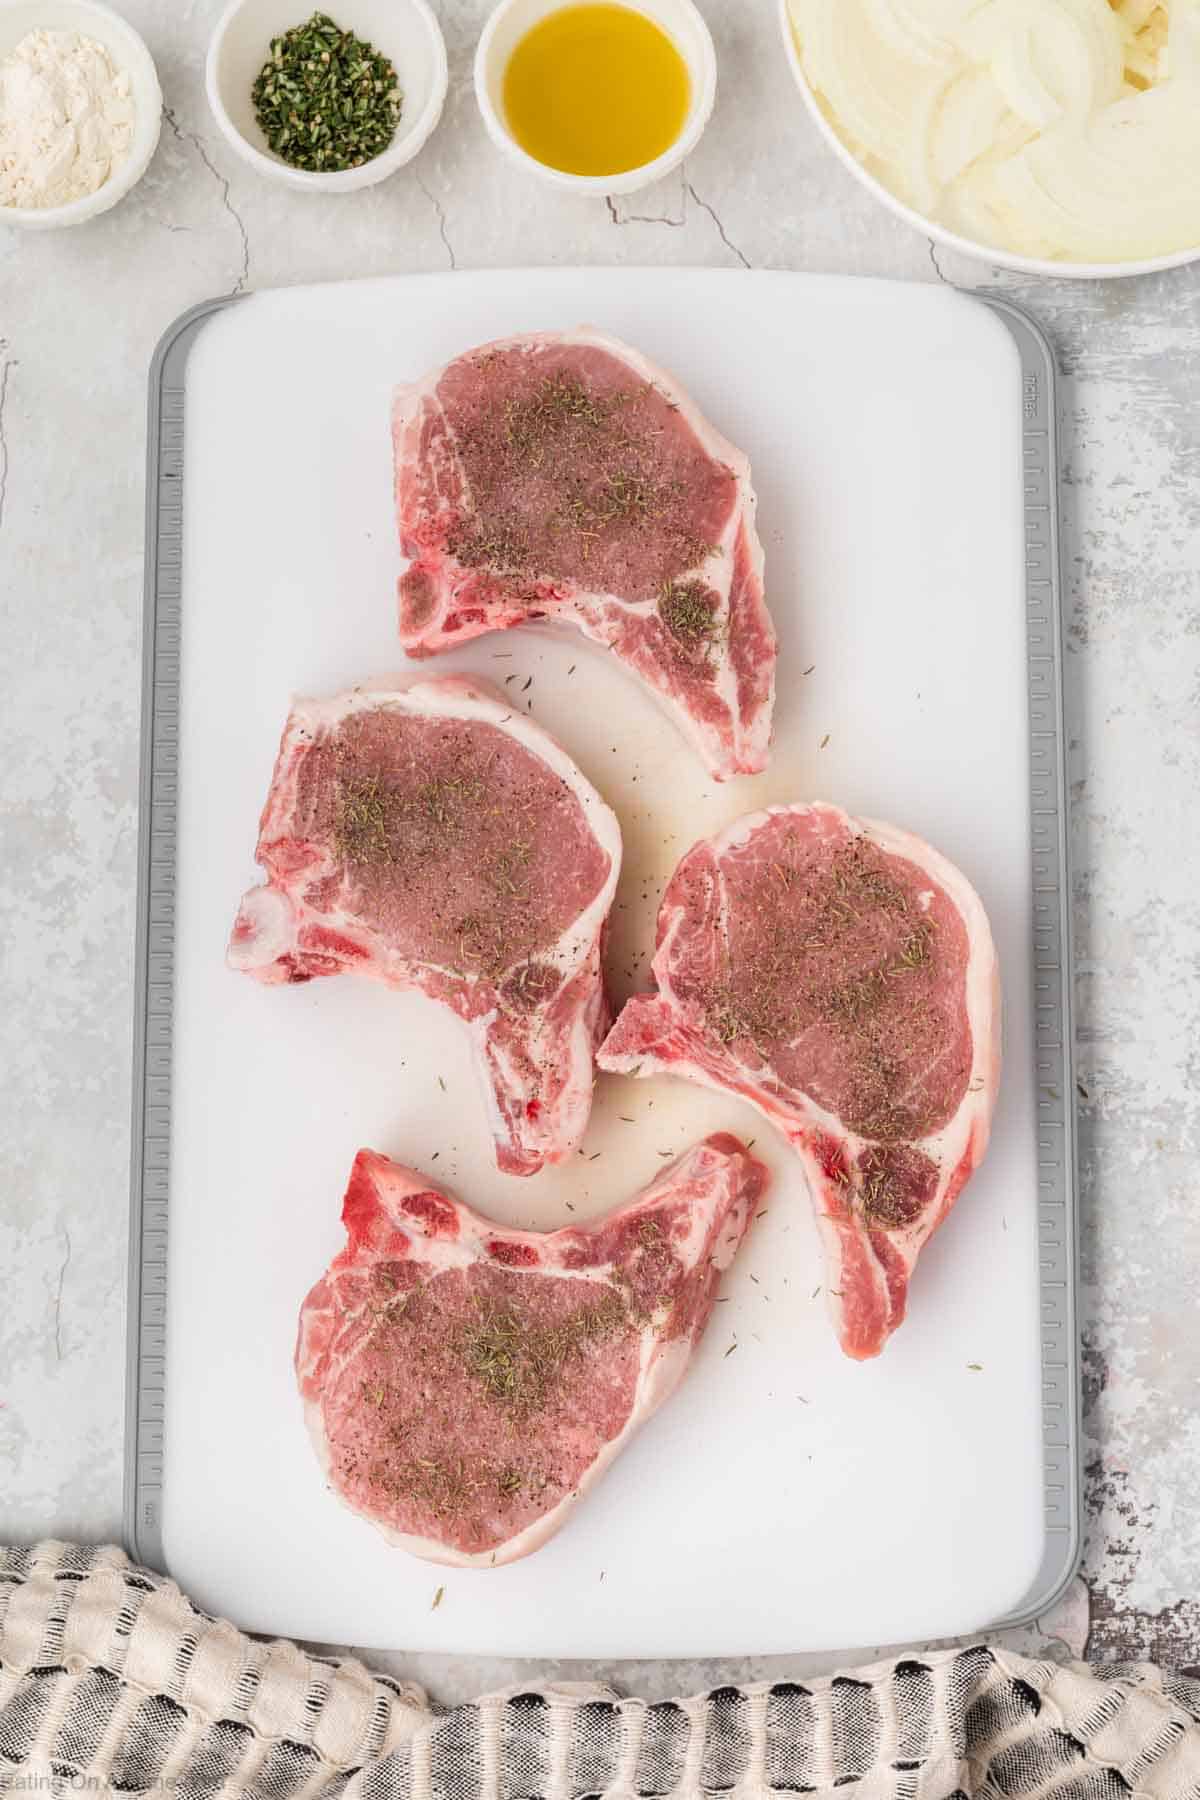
{"x": 327, "y": 101}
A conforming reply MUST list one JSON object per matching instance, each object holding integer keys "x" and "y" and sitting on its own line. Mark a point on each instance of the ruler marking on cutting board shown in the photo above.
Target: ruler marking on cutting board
{"x": 155, "y": 971}
{"x": 1052, "y": 962}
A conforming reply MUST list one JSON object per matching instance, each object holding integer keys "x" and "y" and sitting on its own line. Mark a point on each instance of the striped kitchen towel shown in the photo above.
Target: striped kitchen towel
{"x": 111, "y": 1682}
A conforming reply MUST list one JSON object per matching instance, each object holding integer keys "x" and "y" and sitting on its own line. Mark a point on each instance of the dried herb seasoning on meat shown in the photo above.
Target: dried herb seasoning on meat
{"x": 422, "y": 836}
{"x": 325, "y": 99}
{"x": 842, "y": 977}
{"x": 464, "y": 1384}
{"x": 587, "y": 486}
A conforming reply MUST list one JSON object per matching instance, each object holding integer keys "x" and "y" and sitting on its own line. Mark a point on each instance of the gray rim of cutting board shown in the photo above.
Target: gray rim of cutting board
{"x": 1053, "y": 1046}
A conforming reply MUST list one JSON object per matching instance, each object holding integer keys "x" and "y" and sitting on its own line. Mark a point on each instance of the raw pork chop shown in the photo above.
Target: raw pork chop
{"x": 465, "y": 1384}
{"x": 435, "y": 839}
{"x": 840, "y": 975}
{"x": 561, "y": 476}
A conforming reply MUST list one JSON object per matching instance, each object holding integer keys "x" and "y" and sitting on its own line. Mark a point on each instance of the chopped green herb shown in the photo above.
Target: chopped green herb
{"x": 325, "y": 99}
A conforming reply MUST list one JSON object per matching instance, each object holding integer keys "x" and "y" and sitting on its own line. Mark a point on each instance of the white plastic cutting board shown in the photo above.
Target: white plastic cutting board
{"x": 786, "y": 1499}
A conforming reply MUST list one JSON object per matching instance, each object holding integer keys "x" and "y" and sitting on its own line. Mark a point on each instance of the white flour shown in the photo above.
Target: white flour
{"x": 66, "y": 119}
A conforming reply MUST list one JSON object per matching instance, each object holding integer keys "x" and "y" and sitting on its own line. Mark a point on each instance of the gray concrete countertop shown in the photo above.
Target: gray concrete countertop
{"x": 80, "y": 312}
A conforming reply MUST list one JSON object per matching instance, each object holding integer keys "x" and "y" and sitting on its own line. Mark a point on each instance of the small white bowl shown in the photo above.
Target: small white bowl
{"x": 1003, "y": 259}
{"x": 129, "y": 56}
{"x": 405, "y": 31}
{"x": 686, "y": 29}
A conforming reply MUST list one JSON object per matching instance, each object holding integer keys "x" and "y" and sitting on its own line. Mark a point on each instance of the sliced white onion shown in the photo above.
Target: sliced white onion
{"x": 1137, "y": 13}
{"x": 970, "y": 208}
{"x": 923, "y": 30}
{"x": 1182, "y": 54}
{"x": 1050, "y": 57}
{"x": 1121, "y": 185}
{"x": 1061, "y": 129}
{"x": 972, "y": 120}
{"x": 884, "y": 101}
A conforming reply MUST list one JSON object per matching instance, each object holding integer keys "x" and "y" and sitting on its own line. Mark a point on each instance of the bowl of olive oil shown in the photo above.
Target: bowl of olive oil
{"x": 596, "y": 95}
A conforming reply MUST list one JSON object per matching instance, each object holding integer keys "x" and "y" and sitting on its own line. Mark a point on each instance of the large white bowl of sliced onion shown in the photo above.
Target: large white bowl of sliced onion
{"x": 1054, "y": 137}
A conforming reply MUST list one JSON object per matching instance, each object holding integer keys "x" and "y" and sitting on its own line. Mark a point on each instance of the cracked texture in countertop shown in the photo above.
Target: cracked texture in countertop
{"x": 80, "y": 313}
{"x": 222, "y": 181}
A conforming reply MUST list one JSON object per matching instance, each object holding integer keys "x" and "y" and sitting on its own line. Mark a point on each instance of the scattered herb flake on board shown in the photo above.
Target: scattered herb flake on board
{"x": 437, "y": 1599}
{"x": 324, "y": 99}
{"x": 807, "y": 671}
{"x": 730, "y": 1350}
{"x": 977, "y": 1367}
{"x": 442, "y": 1083}
{"x": 824, "y": 740}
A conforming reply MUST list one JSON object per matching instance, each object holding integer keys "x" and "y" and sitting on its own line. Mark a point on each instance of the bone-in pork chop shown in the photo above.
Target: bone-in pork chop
{"x": 840, "y": 975}
{"x": 562, "y": 477}
{"x": 433, "y": 838}
{"x": 465, "y": 1384}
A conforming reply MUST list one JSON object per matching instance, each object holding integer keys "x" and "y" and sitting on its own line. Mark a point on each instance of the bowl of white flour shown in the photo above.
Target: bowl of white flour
{"x": 80, "y": 111}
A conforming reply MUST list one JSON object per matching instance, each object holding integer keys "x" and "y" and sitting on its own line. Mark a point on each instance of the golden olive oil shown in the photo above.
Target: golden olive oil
{"x": 596, "y": 90}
